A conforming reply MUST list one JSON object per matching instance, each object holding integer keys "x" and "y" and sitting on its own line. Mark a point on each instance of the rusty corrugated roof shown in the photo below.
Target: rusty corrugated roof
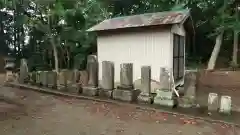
{"x": 148, "y": 19}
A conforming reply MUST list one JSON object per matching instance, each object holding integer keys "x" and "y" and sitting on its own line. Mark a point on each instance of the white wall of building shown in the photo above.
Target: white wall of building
{"x": 153, "y": 48}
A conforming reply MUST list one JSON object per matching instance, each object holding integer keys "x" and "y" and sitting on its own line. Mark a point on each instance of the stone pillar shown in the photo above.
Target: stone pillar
{"x": 125, "y": 91}
{"x": 107, "y": 84}
{"x": 189, "y": 98}
{"x": 165, "y": 93}
{"x": 145, "y": 95}
{"x": 23, "y": 71}
{"x": 52, "y": 79}
{"x": 92, "y": 87}
{"x": 213, "y": 102}
{"x": 226, "y": 105}
{"x": 93, "y": 74}
{"x": 107, "y": 75}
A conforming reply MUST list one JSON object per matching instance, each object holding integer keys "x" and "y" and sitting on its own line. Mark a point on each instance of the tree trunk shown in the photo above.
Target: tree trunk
{"x": 235, "y": 49}
{"x": 215, "y": 52}
{"x": 55, "y": 53}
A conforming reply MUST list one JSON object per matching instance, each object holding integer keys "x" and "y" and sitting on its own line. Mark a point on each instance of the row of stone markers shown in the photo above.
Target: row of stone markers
{"x": 225, "y": 105}
{"x": 68, "y": 80}
{"x": 86, "y": 83}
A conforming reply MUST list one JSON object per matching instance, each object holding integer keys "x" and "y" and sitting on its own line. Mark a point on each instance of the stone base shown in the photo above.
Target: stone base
{"x": 90, "y": 91}
{"x": 105, "y": 93}
{"x": 52, "y": 86}
{"x": 61, "y": 88}
{"x": 75, "y": 88}
{"x": 32, "y": 83}
{"x": 124, "y": 95}
{"x": 145, "y": 98}
{"x": 165, "y": 102}
{"x": 186, "y": 102}
{"x": 165, "y": 98}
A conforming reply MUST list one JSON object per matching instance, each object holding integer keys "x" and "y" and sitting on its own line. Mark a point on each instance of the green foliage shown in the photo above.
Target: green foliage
{"x": 66, "y": 21}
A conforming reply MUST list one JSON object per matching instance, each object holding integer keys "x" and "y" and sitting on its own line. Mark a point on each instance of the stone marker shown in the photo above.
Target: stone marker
{"x": 107, "y": 84}
{"x": 125, "y": 91}
{"x": 165, "y": 93}
{"x": 189, "y": 98}
{"x": 44, "y": 78}
{"x": 145, "y": 95}
{"x": 38, "y": 78}
{"x": 92, "y": 88}
{"x": 62, "y": 80}
{"x": 83, "y": 78}
{"x": 126, "y": 76}
{"x": 9, "y": 67}
{"x": 213, "y": 102}
{"x": 225, "y": 105}
{"x": 23, "y": 71}
{"x": 74, "y": 86}
{"x": 76, "y": 76}
{"x": 33, "y": 77}
{"x": 52, "y": 79}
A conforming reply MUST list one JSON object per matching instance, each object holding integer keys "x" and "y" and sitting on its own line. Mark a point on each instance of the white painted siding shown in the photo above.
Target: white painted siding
{"x": 139, "y": 48}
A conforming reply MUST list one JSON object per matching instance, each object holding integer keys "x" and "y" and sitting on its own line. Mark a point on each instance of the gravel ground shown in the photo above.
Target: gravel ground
{"x": 31, "y": 113}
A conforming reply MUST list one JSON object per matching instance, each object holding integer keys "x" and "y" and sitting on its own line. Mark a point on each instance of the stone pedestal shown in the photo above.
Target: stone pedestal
{"x": 75, "y": 88}
{"x": 145, "y": 95}
{"x": 225, "y": 105}
{"x": 125, "y": 95}
{"x": 165, "y": 98}
{"x": 213, "y": 100}
{"x": 189, "y": 98}
{"x": 165, "y": 93}
{"x": 52, "y": 79}
{"x": 90, "y": 91}
{"x": 107, "y": 84}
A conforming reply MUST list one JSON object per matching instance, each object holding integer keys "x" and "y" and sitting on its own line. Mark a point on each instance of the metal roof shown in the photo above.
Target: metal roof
{"x": 148, "y": 19}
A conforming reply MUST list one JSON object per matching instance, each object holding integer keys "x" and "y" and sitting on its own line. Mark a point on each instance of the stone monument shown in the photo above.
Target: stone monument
{"x": 52, "y": 79}
{"x": 189, "y": 98}
{"x": 213, "y": 100}
{"x": 165, "y": 93}
{"x": 225, "y": 105}
{"x": 125, "y": 90}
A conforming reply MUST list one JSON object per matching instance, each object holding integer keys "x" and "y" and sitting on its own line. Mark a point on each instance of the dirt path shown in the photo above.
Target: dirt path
{"x": 31, "y": 113}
